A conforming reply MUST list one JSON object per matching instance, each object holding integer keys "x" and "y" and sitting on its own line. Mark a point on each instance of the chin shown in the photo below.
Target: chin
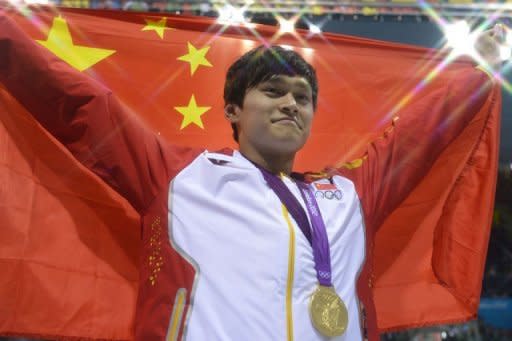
{"x": 286, "y": 146}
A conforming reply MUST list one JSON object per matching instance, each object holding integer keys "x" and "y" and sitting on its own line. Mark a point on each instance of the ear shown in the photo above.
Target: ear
{"x": 232, "y": 113}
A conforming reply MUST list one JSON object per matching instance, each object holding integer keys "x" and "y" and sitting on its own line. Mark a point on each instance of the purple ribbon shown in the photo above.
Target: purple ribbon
{"x": 315, "y": 233}
{"x": 321, "y": 252}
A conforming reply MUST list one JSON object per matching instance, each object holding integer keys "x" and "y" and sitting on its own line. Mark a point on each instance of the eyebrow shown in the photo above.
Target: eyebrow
{"x": 278, "y": 79}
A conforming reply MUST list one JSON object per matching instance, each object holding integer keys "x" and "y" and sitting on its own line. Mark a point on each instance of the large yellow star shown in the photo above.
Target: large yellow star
{"x": 60, "y": 42}
{"x": 195, "y": 57}
{"x": 192, "y": 113}
{"x": 158, "y": 26}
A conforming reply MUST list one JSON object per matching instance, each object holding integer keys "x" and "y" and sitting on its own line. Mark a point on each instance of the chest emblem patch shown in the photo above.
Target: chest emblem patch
{"x": 327, "y": 191}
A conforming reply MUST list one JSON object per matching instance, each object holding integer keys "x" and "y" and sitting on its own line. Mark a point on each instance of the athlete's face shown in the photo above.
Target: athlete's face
{"x": 276, "y": 115}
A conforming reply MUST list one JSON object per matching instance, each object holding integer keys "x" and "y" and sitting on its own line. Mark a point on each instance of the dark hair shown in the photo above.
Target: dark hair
{"x": 259, "y": 65}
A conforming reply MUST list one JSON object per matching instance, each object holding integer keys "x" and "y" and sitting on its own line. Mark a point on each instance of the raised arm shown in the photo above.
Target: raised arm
{"x": 85, "y": 117}
{"x": 394, "y": 164}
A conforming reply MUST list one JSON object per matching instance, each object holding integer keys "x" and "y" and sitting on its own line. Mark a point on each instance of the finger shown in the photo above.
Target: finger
{"x": 488, "y": 36}
{"x": 499, "y": 32}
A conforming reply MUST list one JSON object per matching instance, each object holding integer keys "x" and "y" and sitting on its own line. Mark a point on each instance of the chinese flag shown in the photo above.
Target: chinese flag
{"x": 69, "y": 244}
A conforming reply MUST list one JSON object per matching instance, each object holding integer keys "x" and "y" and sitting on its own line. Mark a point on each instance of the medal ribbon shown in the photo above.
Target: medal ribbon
{"x": 321, "y": 252}
{"x": 315, "y": 233}
{"x": 289, "y": 200}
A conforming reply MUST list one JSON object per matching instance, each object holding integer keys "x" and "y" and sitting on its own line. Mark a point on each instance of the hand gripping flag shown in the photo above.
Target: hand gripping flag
{"x": 69, "y": 244}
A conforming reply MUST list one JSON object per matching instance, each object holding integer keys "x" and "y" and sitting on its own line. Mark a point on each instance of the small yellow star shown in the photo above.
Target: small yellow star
{"x": 60, "y": 42}
{"x": 192, "y": 113}
{"x": 158, "y": 26}
{"x": 195, "y": 57}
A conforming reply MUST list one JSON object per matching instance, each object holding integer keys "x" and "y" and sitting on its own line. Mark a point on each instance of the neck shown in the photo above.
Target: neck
{"x": 274, "y": 163}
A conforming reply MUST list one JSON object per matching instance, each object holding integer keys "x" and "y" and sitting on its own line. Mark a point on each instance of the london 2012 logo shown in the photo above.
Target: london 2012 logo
{"x": 327, "y": 191}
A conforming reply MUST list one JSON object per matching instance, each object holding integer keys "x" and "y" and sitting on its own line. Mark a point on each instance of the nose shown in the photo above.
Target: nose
{"x": 289, "y": 104}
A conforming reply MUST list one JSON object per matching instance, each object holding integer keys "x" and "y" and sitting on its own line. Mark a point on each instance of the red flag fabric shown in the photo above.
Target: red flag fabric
{"x": 70, "y": 244}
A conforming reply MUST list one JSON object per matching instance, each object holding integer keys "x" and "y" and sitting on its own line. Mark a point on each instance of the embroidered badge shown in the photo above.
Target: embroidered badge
{"x": 327, "y": 191}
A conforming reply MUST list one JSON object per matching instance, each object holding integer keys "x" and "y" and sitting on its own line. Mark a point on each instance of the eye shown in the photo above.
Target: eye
{"x": 302, "y": 98}
{"x": 271, "y": 90}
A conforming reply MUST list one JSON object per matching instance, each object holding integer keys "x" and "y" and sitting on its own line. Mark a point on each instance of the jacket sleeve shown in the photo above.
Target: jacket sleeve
{"x": 86, "y": 118}
{"x": 396, "y": 162}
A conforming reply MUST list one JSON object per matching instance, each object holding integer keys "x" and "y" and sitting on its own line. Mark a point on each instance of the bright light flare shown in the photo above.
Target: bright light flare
{"x": 459, "y": 37}
{"x": 505, "y": 52}
{"x": 506, "y": 46}
{"x": 508, "y": 37}
{"x": 314, "y": 29}
{"x": 231, "y": 15}
{"x": 248, "y": 44}
{"x": 286, "y": 25}
{"x": 286, "y": 47}
{"x": 463, "y": 41}
{"x": 308, "y": 51}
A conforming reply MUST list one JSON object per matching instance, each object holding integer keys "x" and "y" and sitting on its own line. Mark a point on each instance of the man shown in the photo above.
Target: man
{"x": 235, "y": 245}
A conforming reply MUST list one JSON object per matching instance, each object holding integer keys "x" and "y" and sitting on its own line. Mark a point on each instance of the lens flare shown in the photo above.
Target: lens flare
{"x": 229, "y": 14}
{"x": 286, "y": 25}
{"x": 314, "y": 29}
{"x": 459, "y": 37}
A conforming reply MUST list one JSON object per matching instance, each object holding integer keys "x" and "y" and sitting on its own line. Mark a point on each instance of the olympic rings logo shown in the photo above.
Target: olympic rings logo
{"x": 329, "y": 195}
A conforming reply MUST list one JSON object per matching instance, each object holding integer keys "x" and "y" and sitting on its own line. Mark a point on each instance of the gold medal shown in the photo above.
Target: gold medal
{"x": 328, "y": 312}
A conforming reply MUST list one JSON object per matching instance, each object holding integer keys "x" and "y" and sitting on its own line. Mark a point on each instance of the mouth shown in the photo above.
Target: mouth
{"x": 287, "y": 120}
